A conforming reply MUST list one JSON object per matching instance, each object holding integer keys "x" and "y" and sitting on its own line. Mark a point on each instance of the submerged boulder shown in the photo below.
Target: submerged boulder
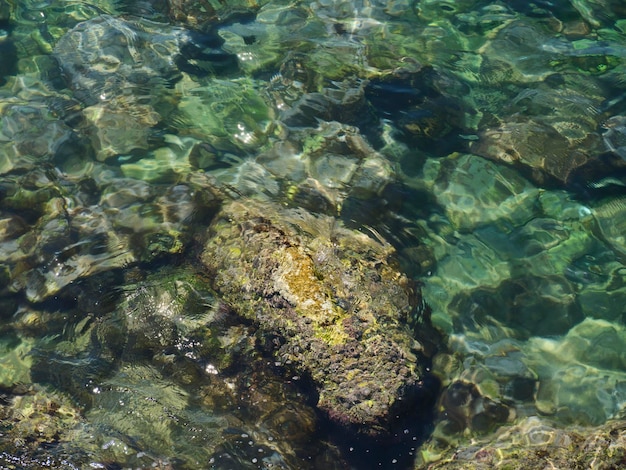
{"x": 123, "y": 71}
{"x": 535, "y": 443}
{"x": 331, "y": 305}
{"x": 203, "y": 14}
{"x": 536, "y": 149}
{"x": 30, "y": 135}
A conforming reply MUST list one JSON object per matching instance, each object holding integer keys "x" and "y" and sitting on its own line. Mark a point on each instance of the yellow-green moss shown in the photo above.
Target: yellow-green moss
{"x": 302, "y": 286}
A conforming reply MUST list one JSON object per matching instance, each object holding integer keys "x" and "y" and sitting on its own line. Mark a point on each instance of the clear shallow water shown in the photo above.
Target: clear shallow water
{"x": 483, "y": 140}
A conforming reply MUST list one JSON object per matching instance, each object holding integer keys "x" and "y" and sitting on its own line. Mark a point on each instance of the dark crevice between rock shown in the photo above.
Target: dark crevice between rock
{"x": 8, "y": 51}
{"x": 203, "y": 57}
{"x": 411, "y": 418}
{"x": 411, "y": 425}
{"x": 425, "y": 115}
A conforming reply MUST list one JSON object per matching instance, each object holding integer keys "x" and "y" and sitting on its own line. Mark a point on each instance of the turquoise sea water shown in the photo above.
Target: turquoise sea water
{"x": 484, "y": 142}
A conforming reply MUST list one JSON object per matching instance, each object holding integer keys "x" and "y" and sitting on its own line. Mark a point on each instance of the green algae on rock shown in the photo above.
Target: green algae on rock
{"x": 34, "y": 421}
{"x": 329, "y": 302}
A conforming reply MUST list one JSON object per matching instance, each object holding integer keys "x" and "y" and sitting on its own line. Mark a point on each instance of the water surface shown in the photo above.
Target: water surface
{"x": 485, "y": 142}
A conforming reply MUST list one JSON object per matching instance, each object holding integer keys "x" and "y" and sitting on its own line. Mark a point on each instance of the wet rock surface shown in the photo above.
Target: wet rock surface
{"x": 329, "y": 303}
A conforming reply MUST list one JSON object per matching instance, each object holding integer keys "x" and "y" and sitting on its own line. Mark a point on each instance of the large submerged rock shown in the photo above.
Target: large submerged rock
{"x": 329, "y": 302}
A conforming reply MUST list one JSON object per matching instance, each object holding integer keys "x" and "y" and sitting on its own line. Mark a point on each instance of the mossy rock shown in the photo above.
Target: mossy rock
{"x": 332, "y": 302}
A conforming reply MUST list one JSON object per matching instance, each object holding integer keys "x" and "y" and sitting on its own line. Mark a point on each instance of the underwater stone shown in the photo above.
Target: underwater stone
{"x": 540, "y": 306}
{"x": 333, "y": 302}
{"x": 122, "y": 70}
{"x": 142, "y": 405}
{"x": 115, "y": 131}
{"x": 15, "y": 362}
{"x": 615, "y": 135}
{"x": 604, "y": 288}
{"x": 609, "y": 215}
{"x": 581, "y": 375}
{"x": 343, "y": 102}
{"x": 464, "y": 266}
{"x": 168, "y": 163}
{"x": 203, "y": 14}
{"x": 533, "y": 443}
{"x": 256, "y": 45}
{"x": 80, "y": 227}
{"x": 475, "y": 192}
{"x": 464, "y": 406}
{"x": 228, "y": 115}
{"x": 329, "y": 166}
{"x": 29, "y": 135}
{"x": 105, "y": 57}
{"x": 535, "y": 148}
